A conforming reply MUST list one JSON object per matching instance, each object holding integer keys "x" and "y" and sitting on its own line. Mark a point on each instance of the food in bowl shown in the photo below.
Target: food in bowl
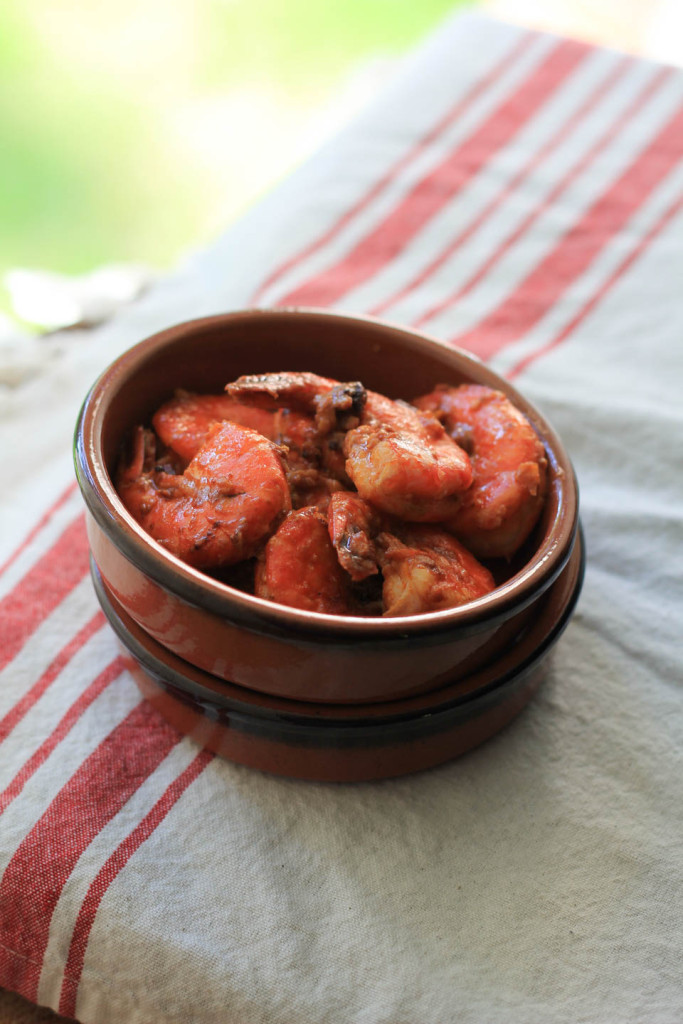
{"x": 328, "y": 497}
{"x": 260, "y": 644}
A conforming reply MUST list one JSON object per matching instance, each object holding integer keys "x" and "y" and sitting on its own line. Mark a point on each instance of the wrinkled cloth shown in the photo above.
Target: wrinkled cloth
{"x": 520, "y": 195}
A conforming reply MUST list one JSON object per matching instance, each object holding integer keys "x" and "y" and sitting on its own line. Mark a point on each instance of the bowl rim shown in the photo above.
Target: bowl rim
{"x": 196, "y": 588}
{"x": 237, "y": 701}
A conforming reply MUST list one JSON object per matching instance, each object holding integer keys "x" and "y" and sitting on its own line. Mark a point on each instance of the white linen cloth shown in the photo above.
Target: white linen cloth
{"x": 519, "y": 194}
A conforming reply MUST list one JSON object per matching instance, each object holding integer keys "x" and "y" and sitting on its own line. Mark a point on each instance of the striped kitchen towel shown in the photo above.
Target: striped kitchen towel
{"x": 518, "y": 195}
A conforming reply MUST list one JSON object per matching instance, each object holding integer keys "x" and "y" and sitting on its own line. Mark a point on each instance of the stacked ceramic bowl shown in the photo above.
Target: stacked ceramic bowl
{"x": 299, "y": 693}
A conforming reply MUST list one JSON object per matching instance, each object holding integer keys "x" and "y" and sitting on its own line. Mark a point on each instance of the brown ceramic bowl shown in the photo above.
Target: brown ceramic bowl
{"x": 259, "y": 644}
{"x": 347, "y": 742}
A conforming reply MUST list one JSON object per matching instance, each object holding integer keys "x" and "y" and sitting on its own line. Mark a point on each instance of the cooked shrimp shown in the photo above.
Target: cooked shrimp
{"x": 221, "y": 509}
{"x": 426, "y": 569}
{"x": 297, "y": 431}
{"x": 334, "y": 407}
{"x": 404, "y": 462}
{"x": 310, "y": 480}
{"x": 183, "y": 423}
{"x": 498, "y": 512}
{"x": 404, "y": 475}
{"x": 352, "y": 524}
{"x": 400, "y": 459}
{"x": 299, "y": 567}
{"x": 327, "y": 399}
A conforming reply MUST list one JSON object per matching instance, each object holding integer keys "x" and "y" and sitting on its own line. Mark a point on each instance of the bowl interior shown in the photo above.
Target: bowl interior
{"x": 204, "y": 355}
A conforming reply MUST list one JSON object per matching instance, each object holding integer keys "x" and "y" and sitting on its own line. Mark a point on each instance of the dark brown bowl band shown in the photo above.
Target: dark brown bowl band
{"x": 251, "y": 713}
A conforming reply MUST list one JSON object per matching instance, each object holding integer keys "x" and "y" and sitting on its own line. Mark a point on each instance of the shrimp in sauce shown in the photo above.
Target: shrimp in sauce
{"x": 497, "y": 513}
{"x": 400, "y": 459}
{"x": 352, "y": 524}
{"x": 221, "y": 509}
{"x": 299, "y": 567}
{"x": 333, "y": 406}
{"x": 184, "y": 422}
{"x": 310, "y": 481}
{"x": 426, "y": 569}
{"x": 352, "y": 503}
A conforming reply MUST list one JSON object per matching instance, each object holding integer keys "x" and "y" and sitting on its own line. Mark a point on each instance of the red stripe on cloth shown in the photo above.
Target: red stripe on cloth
{"x": 42, "y": 589}
{"x": 668, "y": 215}
{"x": 40, "y": 525}
{"x": 552, "y": 143}
{"x": 22, "y": 707}
{"x": 567, "y": 179}
{"x": 109, "y": 871}
{"x": 67, "y": 722}
{"x": 532, "y": 299}
{"x": 34, "y": 878}
{"x": 439, "y": 186}
{"x": 453, "y": 115}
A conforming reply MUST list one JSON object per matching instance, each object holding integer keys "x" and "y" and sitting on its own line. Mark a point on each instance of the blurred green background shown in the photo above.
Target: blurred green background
{"x": 135, "y": 130}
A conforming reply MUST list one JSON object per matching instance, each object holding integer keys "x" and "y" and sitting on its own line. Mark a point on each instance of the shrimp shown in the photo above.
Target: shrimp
{"x": 498, "y": 512}
{"x": 221, "y": 509}
{"x": 310, "y": 481}
{"x": 183, "y": 423}
{"x": 405, "y": 475}
{"x": 328, "y": 408}
{"x": 334, "y": 406}
{"x": 327, "y": 399}
{"x": 352, "y": 524}
{"x": 426, "y": 569}
{"x": 404, "y": 462}
{"x": 299, "y": 567}
{"x": 400, "y": 459}
{"x": 297, "y": 432}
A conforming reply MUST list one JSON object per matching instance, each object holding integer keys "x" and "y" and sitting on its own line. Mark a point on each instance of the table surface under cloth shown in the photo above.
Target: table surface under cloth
{"x": 519, "y": 195}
